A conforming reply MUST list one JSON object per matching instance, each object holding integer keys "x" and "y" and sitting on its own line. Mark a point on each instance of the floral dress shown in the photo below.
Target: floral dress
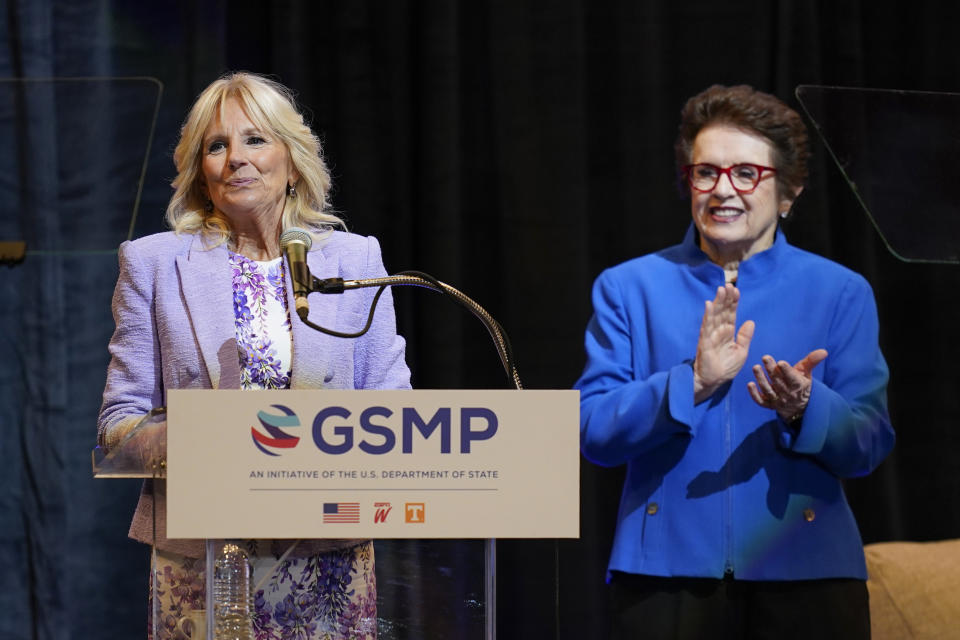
{"x": 326, "y": 596}
{"x": 262, "y": 322}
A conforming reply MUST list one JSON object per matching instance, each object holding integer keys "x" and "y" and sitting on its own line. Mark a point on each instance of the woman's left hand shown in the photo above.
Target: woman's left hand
{"x": 785, "y": 388}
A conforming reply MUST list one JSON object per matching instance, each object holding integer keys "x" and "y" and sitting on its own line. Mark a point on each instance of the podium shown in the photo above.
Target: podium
{"x": 433, "y": 477}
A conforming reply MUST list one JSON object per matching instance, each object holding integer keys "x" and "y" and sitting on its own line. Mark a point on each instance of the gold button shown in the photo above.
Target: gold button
{"x": 809, "y": 515}
{"x": 652, "y": 508}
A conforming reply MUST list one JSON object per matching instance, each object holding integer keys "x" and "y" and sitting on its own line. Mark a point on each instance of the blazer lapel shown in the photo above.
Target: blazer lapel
{"x": 312, "y": 350}
{"x": 207, "y": 285}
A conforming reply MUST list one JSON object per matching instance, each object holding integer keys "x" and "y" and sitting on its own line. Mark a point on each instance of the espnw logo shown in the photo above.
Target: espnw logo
{"x": 274, "y": 424}
{"x": 381, "y": 511}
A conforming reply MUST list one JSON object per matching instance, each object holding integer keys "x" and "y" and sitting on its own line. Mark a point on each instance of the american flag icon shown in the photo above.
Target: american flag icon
{"x": 335, "y": 512}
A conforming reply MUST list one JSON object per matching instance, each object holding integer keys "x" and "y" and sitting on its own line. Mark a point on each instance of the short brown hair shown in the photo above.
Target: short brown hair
{"x": 744, "y": 107}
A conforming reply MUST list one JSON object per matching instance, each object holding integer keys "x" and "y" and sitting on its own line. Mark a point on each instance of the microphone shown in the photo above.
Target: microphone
{"x": 295, "y": 242}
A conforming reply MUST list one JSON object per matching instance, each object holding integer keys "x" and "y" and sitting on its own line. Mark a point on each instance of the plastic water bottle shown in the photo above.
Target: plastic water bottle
{"x": 232, "y": 594}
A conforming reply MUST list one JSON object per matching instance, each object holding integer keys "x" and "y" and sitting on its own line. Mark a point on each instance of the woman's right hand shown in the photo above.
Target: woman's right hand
{"x": 138, "y": 443}
{"x": 721, "y": 350}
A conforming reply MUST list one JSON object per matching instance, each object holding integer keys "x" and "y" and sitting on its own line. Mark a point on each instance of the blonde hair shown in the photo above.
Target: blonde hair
{"x": 272, "y": 107}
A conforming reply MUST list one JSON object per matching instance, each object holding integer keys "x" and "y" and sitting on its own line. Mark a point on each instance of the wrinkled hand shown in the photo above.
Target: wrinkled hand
{"x": 148, "y": 443}
{"x": 784, "y": 388}
{"x": 721, "y": 350}
{"x": 138, "y": 443}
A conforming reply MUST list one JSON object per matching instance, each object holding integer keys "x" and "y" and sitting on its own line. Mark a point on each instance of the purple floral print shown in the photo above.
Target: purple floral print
{"x": 258, "y": 292}
{"x": 329, "y": 596}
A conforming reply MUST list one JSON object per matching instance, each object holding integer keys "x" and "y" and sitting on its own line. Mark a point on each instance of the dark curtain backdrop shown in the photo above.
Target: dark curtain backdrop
{"x": 511, "y": 148}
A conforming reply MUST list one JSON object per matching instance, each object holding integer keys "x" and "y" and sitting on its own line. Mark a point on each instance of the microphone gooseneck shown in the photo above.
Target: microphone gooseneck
{"x": 295, "y": 242}
{"x": 418, "y": 279}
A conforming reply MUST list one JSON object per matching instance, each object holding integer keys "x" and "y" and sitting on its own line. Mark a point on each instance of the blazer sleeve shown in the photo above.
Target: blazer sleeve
{"x": 625, "y": 408}
{"x": 134, "y": 379}
{"x": 379, "y": 358}
{"x": 846, "y": 426}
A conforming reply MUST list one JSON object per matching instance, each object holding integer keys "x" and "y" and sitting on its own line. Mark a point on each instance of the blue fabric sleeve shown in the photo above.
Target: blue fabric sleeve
{"x": 846, "y": 426}
{"x": 622, "y": 414}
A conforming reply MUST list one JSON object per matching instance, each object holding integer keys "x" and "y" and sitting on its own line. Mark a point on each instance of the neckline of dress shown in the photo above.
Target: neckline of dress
{"x": 234, "y": 254}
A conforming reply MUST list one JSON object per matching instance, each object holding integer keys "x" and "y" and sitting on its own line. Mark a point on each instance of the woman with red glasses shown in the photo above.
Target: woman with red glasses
{"x": 733, "y": 522}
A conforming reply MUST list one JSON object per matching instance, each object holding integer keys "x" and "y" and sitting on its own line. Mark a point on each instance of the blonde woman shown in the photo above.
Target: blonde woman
{"x": 206, "y": 305}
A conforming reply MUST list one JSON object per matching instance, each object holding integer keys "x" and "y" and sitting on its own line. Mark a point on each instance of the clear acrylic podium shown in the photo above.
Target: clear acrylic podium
{"x": 426, "y": 588}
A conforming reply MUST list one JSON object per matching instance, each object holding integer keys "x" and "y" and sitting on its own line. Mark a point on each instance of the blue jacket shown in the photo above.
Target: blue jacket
{"x": 726, "y": 486}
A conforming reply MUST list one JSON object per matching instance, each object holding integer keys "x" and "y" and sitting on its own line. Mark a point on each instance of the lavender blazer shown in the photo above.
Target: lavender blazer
{"x": 173, "y": 308}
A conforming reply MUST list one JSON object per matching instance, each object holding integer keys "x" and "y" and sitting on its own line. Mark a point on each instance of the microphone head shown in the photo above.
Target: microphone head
{"x": 294, "y": 235}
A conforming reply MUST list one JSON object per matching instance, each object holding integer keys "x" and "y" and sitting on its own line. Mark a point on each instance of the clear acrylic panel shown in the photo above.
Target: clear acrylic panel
{"x": 74, "y": 160}
{"x": 899, "y": 151}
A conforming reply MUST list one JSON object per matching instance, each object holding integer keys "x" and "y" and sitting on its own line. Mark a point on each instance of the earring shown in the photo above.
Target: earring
{"x": 784, "y": 214}
{"x": 291, "y": 191}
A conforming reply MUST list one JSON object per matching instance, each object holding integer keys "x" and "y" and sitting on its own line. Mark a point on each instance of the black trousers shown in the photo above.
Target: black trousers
{"x": 695, "y": 608}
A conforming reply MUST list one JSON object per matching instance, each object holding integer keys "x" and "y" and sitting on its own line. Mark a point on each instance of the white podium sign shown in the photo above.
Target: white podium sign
{"x": 373, "y": 464}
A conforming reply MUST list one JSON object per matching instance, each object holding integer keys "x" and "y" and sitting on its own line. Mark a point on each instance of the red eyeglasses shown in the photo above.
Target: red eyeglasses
{"x": 745, "y": 177}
